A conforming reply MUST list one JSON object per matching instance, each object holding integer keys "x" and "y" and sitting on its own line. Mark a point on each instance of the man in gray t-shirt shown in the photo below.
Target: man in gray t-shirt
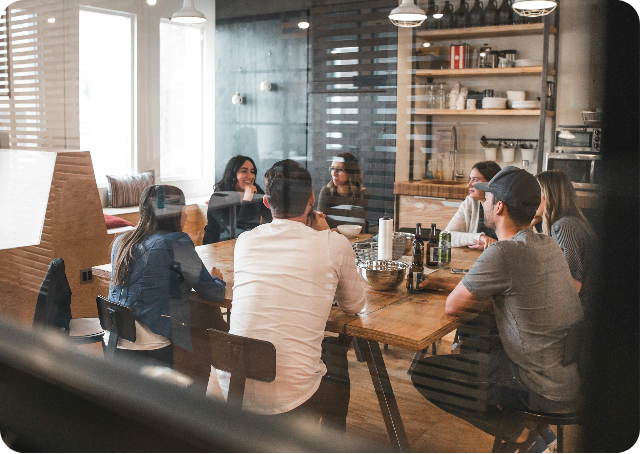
{"x": 525, "y": 281}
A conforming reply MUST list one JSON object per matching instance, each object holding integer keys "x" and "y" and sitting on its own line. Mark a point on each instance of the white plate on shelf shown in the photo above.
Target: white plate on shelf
{"x": 525, "y": 104}
{"x": 528, "y": 62}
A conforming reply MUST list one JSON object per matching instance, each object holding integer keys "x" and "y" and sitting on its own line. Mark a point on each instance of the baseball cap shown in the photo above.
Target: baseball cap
{"x": 515, "y": 187}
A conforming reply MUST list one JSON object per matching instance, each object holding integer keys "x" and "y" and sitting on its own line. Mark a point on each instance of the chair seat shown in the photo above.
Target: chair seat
{"x": 85, "y": 330}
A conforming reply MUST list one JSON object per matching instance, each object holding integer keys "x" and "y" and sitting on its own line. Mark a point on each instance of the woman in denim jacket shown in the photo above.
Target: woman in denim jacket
{"x": 153, "y": 269}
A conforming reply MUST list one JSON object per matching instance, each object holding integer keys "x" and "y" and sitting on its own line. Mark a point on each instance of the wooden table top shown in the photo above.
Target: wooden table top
{"x": 396, "y": 317}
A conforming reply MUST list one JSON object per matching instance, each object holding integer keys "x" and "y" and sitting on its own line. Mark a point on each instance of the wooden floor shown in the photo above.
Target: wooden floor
{"x": 428, "y": 428}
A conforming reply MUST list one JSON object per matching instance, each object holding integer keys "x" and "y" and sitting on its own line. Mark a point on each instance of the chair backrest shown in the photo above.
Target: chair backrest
{"x": 243, "y": 358}
{"x": 53, "y": 306}
{"x": 118, "y": 320}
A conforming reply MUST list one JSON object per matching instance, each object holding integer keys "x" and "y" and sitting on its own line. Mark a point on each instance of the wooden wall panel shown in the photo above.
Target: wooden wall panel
{"x": 74, "y": 229}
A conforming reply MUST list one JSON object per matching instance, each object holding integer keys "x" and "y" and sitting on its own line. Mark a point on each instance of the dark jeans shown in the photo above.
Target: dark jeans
{"x": 162, "y": 356}
{"x": 330, "y": 403}
{"x": 504, "y": 387}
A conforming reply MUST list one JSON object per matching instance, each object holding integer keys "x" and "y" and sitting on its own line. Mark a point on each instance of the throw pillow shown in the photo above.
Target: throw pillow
{"x": 125, "y": 190}
{"x": 114, "y": 222}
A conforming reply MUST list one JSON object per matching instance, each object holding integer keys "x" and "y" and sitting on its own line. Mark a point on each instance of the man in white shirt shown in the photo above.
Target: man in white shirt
{"x": 286, "y": 276}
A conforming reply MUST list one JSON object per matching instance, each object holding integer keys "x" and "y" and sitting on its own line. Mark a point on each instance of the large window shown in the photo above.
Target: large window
{"x": 107, "y": 77}
{"x": 180, "y": 101}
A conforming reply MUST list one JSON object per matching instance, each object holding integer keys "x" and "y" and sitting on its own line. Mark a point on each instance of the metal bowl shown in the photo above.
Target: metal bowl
{"x": 382, "y": 274}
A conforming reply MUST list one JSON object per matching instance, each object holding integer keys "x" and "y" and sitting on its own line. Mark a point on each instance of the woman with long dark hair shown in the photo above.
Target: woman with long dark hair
{"x": 467, "y": 225}
{"x": 345, "y": 188}
{"x": 563, "y": 220}
{"x": 153, "y": 269}
{"x": 236, "y": 188}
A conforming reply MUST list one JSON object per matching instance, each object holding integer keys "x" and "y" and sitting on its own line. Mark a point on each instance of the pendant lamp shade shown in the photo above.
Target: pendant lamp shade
{"x": 533, "y": 8}
{"x": 188, "y": 14}
{"x": 407, "y": 15}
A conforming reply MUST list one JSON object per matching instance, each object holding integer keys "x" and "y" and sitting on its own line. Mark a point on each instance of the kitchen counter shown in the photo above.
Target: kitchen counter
{"x": 432, "y": 188}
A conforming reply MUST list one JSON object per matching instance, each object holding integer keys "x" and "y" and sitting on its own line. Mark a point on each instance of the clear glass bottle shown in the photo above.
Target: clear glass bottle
{"x": 439, "y": 171}
{"x": 440, "y": 97}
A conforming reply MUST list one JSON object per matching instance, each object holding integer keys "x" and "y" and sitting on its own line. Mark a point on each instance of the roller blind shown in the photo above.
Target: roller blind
{"x": 39, "y": 75}
{"x": 353, "y": 93}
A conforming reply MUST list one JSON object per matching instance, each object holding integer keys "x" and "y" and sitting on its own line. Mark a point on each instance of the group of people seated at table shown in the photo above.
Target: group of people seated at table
{"x": 343, "y": 200}
{"x": 289, "y": 270}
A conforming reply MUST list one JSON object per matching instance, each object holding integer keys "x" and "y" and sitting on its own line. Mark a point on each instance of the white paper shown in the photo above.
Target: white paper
{"x": 385, "y": 239}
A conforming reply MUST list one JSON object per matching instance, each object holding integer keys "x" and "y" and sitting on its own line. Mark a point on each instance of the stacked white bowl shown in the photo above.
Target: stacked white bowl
{"x": 515, "y": 95}
{"x": 494, "y": 103}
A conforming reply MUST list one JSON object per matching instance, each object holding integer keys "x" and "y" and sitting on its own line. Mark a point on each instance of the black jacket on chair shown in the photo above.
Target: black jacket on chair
{"x": 53, "y": 307}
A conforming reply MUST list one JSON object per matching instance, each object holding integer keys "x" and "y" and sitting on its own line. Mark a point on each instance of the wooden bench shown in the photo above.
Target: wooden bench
{"x": 194, "y": 227}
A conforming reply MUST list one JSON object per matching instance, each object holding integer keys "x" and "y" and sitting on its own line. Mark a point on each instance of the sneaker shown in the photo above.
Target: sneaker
{"x": 534, "y": 443}
{"x": 549, "y": 437}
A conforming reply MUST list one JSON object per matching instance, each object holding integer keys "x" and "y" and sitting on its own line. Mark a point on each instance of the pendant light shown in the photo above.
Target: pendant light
{"x": 188, "y": 14}
{"x": 407, "y": 15}
{"x": 534, "y": 8}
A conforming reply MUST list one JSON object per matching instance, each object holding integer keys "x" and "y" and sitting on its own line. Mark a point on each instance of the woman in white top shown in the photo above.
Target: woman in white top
{"x": 467, "y": 226}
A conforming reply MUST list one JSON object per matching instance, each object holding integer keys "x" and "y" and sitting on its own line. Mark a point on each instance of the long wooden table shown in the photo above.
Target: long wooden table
{"x": 396, "y": 317}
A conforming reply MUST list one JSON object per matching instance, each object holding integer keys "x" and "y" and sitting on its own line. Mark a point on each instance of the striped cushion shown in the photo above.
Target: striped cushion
{"x": 125, "y": 190}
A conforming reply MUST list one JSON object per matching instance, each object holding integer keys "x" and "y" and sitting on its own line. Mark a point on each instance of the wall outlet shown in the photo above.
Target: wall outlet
{"x": 86, "y": 276}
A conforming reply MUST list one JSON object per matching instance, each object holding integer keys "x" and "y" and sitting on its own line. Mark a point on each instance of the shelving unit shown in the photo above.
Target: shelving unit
{"x": 484, "y": 112}
{"x": 543, "y": 30}
{"x": 521, "y": 71}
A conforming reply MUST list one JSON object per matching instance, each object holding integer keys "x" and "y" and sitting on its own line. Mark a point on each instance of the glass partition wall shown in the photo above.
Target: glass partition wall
{"x": 309, "y": 94}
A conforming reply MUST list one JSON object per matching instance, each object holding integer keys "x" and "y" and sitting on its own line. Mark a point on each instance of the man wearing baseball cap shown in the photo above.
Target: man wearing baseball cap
{"x": 525, "y": 281}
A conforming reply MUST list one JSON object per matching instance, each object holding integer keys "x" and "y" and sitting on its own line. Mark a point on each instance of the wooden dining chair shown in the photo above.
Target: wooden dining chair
{"x": 53, "y": 308}
{"x": 243, "y": 358}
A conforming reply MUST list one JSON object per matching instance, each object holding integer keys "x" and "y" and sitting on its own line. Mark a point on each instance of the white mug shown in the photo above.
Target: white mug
{"x": 471, "y": 104}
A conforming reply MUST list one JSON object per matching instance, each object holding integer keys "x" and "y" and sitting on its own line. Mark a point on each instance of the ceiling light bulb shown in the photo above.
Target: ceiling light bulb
{"x": 303, "y": 24}
{"x": 151, "y": 2}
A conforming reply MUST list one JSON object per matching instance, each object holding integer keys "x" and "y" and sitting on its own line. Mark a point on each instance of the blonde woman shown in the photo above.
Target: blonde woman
{"x": 565, "y": 223}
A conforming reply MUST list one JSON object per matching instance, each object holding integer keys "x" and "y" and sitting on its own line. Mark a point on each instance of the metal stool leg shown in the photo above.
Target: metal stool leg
{"x": 560, "y": 438}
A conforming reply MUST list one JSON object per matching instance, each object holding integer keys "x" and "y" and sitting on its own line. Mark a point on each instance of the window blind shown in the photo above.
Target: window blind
{"x": 39, "y": 75}
{"x": 353, "y": 93}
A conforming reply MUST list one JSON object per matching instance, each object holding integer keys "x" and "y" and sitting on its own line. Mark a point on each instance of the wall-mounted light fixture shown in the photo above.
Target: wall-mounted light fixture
{"x": 533, "y": 8}
{"x": 408, "y": 14}
{"x": 188, "y": 14}
{"x": 236, "y": 99}
{"x": 265, "y": 85}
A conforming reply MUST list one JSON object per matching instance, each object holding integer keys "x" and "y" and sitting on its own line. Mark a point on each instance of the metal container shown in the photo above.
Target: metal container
{"x": 382, "y": 274}
{"x": 493, "y": 59}
{"x": 483, "y": 57}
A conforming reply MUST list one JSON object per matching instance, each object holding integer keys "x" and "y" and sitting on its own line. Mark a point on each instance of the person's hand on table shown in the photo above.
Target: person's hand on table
{"x": 317, "y": 221}
{"x": 432, "y": 282}
{"x": 215, "y": 272}
{"x": 248, "y": 193}
{"x": 483, "y": 243}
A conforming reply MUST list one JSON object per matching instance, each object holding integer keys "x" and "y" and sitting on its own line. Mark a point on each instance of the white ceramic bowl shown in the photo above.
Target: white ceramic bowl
{"x": 350, "y": 231}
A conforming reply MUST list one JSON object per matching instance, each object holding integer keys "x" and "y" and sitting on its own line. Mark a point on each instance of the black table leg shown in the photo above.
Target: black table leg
{"x": 371, "y": 353}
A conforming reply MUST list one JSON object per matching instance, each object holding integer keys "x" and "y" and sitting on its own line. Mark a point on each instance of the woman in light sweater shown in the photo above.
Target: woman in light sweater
{"x": 467, "y": 226}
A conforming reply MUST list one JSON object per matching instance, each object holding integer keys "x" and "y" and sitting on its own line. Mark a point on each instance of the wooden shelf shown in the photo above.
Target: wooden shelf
{"x": 483, "y": 32}
{"x": 484, "y": 112}
{"x": 521, "y": 71}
